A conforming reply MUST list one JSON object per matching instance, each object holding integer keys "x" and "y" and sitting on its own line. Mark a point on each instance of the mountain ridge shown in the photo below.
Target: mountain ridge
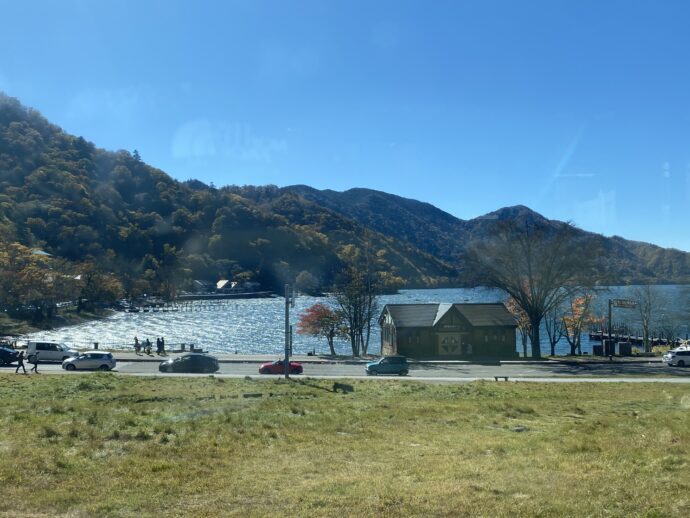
{"x": 61, "y": 193}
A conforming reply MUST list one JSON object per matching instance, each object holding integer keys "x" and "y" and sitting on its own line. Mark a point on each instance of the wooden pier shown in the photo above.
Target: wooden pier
{"x": 600, "y": 336}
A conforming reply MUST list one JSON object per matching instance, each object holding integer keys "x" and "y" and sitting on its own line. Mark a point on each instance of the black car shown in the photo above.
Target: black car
{"x": 190, "y": 362}
{"x": 7, "y": 355}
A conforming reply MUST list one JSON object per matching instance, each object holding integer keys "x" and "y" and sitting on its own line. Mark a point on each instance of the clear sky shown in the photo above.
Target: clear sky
{"x": 578, "y": 109}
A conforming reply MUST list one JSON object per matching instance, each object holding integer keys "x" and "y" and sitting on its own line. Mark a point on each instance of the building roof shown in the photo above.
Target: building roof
{"x": 480, "y": 315}
{"x": 428, "y": 315}
{"x": 412, "y": 315}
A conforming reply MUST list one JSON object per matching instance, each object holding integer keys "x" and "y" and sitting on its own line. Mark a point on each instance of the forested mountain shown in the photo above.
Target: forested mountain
{"x": 621, "y": 261}
{"x": 110, "y": 210}
{"x": 61, "y": 194}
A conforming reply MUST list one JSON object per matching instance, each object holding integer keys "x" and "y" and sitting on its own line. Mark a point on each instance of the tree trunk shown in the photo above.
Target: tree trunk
{"x": 330, "y": 336}
{"x": 534, "y": 336}
{"x": 523, "y": 336}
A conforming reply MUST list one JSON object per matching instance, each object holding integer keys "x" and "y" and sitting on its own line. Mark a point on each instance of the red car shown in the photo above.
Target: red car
{"x": 278, "y": 367}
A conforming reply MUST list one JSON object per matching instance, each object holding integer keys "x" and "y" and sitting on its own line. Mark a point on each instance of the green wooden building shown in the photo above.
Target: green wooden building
{"x": 452, "y": 331}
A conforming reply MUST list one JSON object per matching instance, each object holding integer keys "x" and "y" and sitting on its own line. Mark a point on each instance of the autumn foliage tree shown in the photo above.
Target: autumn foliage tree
{"x": 577, "y": 317}
{"x": 320, "y": 320}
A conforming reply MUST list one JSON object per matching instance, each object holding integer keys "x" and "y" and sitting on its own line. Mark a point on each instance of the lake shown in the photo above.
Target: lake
{"x": 256, "y": 326}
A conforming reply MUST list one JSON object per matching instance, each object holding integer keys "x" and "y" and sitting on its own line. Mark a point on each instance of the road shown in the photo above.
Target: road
{"x": 438, "y": 372}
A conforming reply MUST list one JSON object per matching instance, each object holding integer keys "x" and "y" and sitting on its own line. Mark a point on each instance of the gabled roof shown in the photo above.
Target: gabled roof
{"x": 412, "y": 315}
{"x": 428, "y": 315}
{"x": 480, "y": 315}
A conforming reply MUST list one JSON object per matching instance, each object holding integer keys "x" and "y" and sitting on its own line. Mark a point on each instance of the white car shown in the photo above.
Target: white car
{"x": 49, "y": 352}
{"x": 100, "y": 360}
{"x": 679, "y": 357}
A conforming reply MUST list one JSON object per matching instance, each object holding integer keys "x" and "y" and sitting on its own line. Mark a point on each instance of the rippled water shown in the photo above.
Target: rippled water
{"x": 256, "y": 326}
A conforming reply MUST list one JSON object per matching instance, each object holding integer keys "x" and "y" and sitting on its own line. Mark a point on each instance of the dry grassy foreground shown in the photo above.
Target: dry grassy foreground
{"x": 102, "y": 445}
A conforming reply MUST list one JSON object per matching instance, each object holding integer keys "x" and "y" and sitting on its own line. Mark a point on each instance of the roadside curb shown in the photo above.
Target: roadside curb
{"x": 322, "y": 361}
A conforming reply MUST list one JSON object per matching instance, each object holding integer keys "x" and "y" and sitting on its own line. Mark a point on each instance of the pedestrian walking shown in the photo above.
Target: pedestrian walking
{"x": 137, "y": 345}
{"x": 148, "y": 346}
{"x": 163, "y": 346}
{"x": 158, "y": 346}
{"x": 35, "y": 367}
{"x": 20, "y": 363}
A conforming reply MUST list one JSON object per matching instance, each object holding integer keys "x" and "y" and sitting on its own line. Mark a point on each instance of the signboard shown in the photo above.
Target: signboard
{"x": 624, "y": 303}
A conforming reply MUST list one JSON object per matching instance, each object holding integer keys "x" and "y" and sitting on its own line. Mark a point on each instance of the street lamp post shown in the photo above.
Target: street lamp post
{"x": 289, "y": 302}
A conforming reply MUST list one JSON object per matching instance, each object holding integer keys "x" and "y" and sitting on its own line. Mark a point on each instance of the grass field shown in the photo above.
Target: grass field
{"x": 103, "y": 445}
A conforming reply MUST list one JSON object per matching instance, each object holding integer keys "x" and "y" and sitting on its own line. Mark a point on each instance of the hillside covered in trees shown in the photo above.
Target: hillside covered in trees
{"x": 111, "y": 214}
{"x": 86, "y": 206}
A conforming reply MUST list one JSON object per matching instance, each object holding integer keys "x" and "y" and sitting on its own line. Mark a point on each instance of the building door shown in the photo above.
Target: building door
{"x": 450, "y": 344}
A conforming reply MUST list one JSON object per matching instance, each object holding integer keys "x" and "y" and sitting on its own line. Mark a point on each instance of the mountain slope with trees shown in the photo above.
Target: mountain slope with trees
{"x": 109, "y": 212}
{"x": 620, "y": 261}
{"x": 63, "y": 195}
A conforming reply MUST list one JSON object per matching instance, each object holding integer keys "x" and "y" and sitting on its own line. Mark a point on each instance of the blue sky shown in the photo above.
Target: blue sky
{"x": 577, "y": 109}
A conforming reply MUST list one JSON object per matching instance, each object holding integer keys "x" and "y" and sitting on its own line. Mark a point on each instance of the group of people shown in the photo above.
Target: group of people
{"x": 20, "y": 362}
{"x": 146, "y": 346}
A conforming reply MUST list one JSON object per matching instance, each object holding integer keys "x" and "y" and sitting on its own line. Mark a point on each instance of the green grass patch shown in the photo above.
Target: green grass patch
{"x": 103, "y": 445}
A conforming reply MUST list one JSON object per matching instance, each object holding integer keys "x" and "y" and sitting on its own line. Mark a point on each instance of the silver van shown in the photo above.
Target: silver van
{"x": 49, "y": 352}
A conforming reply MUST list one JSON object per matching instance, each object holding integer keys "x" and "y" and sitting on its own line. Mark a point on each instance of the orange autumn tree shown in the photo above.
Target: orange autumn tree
{"x": 320, "y": 320}
{"x": 577, "y": 317}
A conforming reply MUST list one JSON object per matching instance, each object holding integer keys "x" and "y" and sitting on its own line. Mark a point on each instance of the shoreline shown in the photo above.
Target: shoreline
{"x": 14, "y": 327}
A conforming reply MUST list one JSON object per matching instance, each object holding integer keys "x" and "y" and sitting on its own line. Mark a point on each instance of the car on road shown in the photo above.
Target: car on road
{"x": 388, "y": 365}
{"x": 99, "y": 360}
{"x": 678, "y": 357}
{"x": 49, "y": 352}
{"x": 278, "y": 367}
{"x": 191, "y": 363}
{"x": 8, "y": 355}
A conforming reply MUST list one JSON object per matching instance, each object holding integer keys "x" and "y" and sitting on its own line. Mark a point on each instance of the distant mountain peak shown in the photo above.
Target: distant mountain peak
{"x": 516, "y": 212}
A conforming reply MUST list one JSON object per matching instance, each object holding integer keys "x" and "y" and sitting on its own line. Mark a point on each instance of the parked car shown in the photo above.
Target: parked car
{"x": 278, "y": 367}
{"x": 388, "y": 365}
{"x": 678, "y": 357}
{"x": 7, "y": 355}
{"x": 190, "y": 362}
{"x": 49, "y": 352}
{"x": 100, "y": 360}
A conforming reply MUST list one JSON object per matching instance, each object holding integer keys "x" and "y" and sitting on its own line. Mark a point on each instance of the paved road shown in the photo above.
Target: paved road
{"x": 439, "y": 372}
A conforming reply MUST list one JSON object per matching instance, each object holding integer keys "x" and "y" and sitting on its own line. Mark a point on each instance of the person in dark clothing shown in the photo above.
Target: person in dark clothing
{"x": 35, "y": 367}
{"x": 158, "y": 345}
{"x": 20, "y": 363}
{"x": 163, "y": 346}
{"x": 147, "y": 349}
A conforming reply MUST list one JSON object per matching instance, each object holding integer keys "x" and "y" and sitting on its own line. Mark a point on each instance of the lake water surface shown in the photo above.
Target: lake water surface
{"x": 256, "y": 326}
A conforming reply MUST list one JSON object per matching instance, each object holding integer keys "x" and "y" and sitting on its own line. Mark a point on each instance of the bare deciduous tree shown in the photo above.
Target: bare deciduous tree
{"x": 539, "y": 265}
{"x": 555, "y": 328}
{"x": 647, "y": 304}
{"x": 356, "y": 298}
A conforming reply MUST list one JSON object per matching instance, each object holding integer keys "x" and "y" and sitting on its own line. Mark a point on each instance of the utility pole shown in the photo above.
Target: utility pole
{"x": 289, "y": 302}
